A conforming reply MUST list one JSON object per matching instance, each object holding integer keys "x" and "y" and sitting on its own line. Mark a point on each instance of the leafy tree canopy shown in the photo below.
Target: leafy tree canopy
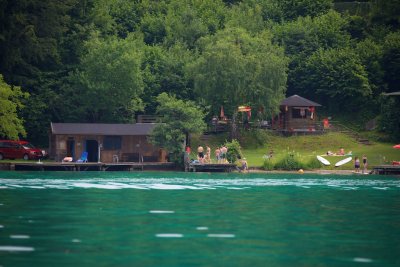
{"x": 292, "y": 9}
{"x": 11, "y": 97}
{"x": 286, "y": 10}
{"x": 180, "y": 118}
{"x": 188, "y": 20}
{"x": 110, "y": 79}
{"x": 235, "y": 68}
{"x": 302, "y": 37}
{"x": 337, "y": 76}
{"x": 391, "y": 60}
{"x": 163, "y": 71}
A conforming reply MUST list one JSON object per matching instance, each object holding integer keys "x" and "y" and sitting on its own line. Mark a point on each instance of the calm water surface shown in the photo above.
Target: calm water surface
{"x": 198, "y": 219}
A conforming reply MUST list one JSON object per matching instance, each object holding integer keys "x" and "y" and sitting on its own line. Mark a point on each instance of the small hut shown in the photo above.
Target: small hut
{"x": 104, "y": 142}
{"x": 297, "y": 115}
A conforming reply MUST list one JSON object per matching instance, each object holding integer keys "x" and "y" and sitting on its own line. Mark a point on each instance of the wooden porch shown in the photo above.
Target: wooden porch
{"x": 87, "y": 166}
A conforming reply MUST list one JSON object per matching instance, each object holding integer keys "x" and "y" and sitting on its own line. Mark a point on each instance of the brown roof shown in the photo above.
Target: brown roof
{"x": 102, "y": 128}
{"x": 298, "y": 101}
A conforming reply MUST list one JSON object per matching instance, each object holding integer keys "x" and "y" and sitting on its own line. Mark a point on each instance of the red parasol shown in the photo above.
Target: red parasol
{"x": 397, "y": 146}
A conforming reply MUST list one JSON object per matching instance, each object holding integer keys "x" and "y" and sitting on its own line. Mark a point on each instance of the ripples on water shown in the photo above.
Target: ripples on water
{"x": 194, "y": 182}
{"x": 198, "y": 219}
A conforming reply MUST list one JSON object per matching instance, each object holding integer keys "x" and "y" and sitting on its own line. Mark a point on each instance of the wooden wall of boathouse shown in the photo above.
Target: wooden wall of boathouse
{"x": 132, "y": 149}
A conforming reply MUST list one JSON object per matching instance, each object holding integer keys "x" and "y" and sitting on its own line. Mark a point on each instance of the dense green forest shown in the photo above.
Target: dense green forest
{"x": 109, "y": 60}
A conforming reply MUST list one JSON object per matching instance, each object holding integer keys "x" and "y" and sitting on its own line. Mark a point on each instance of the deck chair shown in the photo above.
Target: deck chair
{"x": 83, "y": 157}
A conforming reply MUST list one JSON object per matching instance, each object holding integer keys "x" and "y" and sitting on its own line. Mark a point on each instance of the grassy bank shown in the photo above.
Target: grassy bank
{"x": 303, "y": 148}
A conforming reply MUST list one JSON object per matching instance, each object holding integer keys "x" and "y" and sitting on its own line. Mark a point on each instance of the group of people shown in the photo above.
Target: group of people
{"x": 220, "y": 157}
{"x": 201, "y": 157}
{"x": 220, "y": 154}
{"x": 205, "y": 157}
{"x": 339, "y": 153}
{"x": 357, "y": 164}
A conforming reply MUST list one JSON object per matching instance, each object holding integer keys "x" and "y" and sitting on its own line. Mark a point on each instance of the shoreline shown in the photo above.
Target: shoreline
{"x": 321, "y": 172}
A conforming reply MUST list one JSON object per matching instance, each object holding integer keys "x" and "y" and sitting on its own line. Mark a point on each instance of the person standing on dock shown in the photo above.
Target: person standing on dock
{"x": 224, "y": 150}
{"x": 207, "y": 158}
{"x": 218, "y": 154}
{"x": 200, "y": 156}
{"x": 365, "y": 164}
{"x": 357, "y": 164}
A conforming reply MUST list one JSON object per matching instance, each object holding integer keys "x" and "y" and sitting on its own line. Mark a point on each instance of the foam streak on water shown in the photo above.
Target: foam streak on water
{"x": 348, "y": 183}
{"x": 15, "y": 248}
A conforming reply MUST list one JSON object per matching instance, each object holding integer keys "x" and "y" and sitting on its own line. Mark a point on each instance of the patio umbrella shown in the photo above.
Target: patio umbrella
{"x": 397, "y": 146}
{"x": 222, "y": 114}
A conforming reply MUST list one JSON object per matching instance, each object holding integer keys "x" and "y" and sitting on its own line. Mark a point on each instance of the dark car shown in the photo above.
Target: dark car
{"x": 19, "y": 150}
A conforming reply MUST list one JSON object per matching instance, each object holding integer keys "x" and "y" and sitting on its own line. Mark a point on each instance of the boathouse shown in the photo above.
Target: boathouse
{"x": 297, "y": 115}
{"x": 104, "y": 142}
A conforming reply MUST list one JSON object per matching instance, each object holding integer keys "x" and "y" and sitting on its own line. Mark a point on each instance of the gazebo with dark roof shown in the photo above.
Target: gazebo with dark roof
{"x": 298, "y": 114}
{"x": 298, "y": 101}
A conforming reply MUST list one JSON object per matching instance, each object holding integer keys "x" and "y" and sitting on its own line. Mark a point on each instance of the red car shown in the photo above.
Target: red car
{"x": 19, "y": 150}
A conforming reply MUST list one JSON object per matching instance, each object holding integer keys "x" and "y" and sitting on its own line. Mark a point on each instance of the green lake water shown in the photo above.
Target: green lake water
{"x": 198, "y": 219}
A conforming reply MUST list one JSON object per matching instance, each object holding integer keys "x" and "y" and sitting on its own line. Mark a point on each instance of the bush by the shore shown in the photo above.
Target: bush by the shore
{"x": 290, "y": 162}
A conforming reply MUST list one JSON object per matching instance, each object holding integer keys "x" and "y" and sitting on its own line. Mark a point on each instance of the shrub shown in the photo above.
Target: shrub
{"x": 268, "y": 165}
{"x": 234, "y": 151}
{"x": 289, "y": 163}
{"x": 313, "y": 163}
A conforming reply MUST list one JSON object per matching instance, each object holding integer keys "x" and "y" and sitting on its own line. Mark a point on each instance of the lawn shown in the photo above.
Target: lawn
{"x": 306, "y": 148}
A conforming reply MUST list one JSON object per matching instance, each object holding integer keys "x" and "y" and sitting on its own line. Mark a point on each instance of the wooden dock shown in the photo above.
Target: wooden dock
{"x": 87, "y": 166}
{"x": 198, "y": 167}
{"x": 386, "y": 170}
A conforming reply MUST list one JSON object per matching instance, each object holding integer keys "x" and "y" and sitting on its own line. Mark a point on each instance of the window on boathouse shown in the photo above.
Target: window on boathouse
{"x": 112, "y": 142}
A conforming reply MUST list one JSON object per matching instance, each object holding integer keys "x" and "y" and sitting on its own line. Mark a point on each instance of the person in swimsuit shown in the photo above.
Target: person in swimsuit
{"x": 207, "y": 158}
{"x": 224, "y": 150}
{"x": 217, "y": 154}
{"x": 357, "y": 164}
{"x": 365, "y": 163}
{"x": 200, "y": 151}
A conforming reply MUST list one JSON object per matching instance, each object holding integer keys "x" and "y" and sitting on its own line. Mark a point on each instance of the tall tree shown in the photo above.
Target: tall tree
{"x": 163, "y": 71}
{"x": 287, "y": 10}
{"x": 110, "y": 79}
{"x": 235, "y": 68}
{"x": 246, "y": 15}
{"x": 188, "y": 20}
{"x": 11, "y": 97}
{"x": 337, "y": 78}
{"x": 302, "y": 37}
{"x": 391, "y": 60}
{"x": 180, "y": 119}
{"x": 39, "y": 41}
{"x": 386, "y": 13}
{"x": 292, "y": 9}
